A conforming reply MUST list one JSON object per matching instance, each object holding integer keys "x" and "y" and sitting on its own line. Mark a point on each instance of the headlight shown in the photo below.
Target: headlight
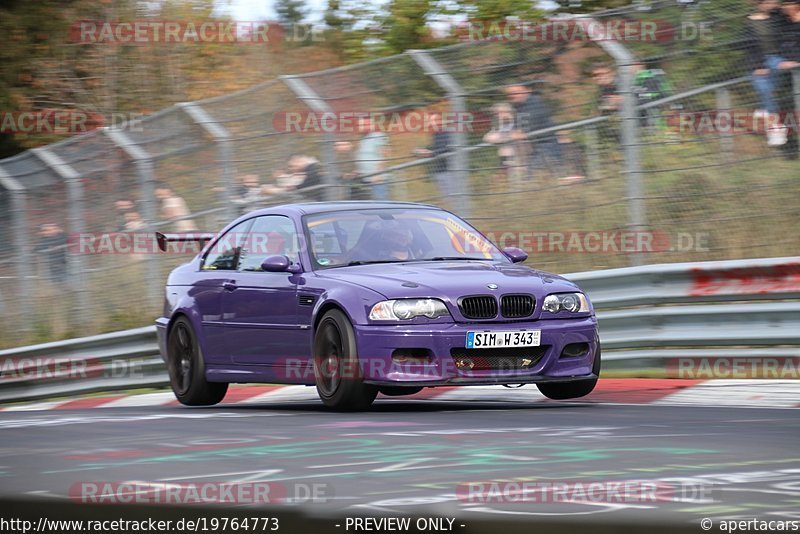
{"x": 568, "y": 302}
{"x": 405, "y": 309}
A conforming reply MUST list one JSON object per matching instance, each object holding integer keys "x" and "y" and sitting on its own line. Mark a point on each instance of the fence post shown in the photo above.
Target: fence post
{"x": 223, "y": 140}
{"x": 19, "y": 230}
{"x": 637, "y": 219}
{"x": 144, "y": 168}
{"x": 796, "y": 91}
{"x": 76, "y": 221}
{"x": 725, "y": 138}
{"x": 592, "y": 153}
{"x": 310, "y": 98}
{"x": 459, "y": 160}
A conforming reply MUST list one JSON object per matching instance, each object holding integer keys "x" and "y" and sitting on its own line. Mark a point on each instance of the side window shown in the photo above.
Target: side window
{"x": 269, "y": 235}
{"x": 224, "y": 253}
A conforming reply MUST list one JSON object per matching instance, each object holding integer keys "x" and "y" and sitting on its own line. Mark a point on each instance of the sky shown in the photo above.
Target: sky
{"x": 250, "y": 10}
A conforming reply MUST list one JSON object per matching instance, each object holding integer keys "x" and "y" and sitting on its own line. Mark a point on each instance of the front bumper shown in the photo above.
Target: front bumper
{"x": 377, "y": 343}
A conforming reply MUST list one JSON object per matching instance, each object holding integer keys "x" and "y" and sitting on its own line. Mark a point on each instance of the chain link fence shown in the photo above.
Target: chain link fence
{"x": 603, "y": 155}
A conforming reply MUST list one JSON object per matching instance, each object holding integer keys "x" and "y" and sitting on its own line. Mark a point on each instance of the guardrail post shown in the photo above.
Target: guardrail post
{"x": 224, "y": 151}
{"x": 725, "y": 138}
{"x": 796, "y": 91}
{"x": 77, "y": 270}
{"x": 625, "y": 61}
{"x": 144, "y": 168}
{"x": 459, "y": 160}
{"x": 19, "y": 230}
{"x": 310, "y": 98}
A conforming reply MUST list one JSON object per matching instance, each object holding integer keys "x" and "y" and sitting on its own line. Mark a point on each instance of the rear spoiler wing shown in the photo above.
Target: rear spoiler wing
{"x": 199, "y": 237}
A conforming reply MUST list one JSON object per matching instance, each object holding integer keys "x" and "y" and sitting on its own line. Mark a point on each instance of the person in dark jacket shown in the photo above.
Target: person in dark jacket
{"x": 768, "y": 28}
{"x": 607, "y": 101}
{"x": 52, "y": 247}
{"x": 303, "y": 176}
{"x": 532, "y": 113}
{"x": 791, "y": 51}
{"x": 441, "y": 143}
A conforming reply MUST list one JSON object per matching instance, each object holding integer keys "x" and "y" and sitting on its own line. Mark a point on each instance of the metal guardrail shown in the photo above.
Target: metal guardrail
{"x": 740, "y": 308}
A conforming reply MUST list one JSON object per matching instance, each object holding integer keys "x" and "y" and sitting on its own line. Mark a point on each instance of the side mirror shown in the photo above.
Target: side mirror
{"x": 279, "y": 264}
{"x": 516, "y": 255}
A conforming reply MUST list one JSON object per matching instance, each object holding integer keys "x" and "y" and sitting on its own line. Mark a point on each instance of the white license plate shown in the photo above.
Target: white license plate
{"x": 511, "y": 338}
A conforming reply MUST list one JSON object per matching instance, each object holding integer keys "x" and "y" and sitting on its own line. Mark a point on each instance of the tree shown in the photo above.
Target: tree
{"x": 491, "y": 10}
{"x": 406, "y": 25}
{"x": 291, "y": 12}
{"x": 589, "y": 6}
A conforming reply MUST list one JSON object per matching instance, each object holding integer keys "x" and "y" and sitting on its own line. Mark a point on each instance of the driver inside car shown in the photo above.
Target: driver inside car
{"x": 395, "y": 243}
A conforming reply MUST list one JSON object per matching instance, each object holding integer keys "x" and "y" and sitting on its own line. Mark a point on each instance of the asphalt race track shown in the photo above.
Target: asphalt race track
{"x": 404, "y": 454}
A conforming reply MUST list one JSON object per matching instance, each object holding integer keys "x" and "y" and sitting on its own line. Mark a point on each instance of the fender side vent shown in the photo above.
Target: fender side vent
{"x": 306, "y": 300}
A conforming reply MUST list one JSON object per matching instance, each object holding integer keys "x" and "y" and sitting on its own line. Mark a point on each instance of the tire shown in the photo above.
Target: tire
{"x": 398, "y": 391}
{"x": 573, "y": 390}
{"x": 187, "y": 368}
{"x": 336, "y": 369}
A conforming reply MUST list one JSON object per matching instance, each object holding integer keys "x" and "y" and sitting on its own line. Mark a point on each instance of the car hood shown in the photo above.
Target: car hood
{"x": 450, "y": 279}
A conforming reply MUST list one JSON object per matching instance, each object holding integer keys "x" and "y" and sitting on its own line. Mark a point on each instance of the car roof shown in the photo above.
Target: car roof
{"x": 309, "y": 208}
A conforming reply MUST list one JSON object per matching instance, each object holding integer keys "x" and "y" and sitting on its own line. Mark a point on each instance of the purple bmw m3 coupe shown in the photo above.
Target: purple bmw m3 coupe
{"x": 358, "y": 298}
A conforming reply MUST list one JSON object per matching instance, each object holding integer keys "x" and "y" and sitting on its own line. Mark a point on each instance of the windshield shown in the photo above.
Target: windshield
{"x": 394, "y": 235}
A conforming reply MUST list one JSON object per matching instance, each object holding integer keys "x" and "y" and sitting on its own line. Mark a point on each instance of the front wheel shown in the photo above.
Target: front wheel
{"x": 336, "y": 369}
{"x": 573, "y": 390}
{"x": 187, "y": 368}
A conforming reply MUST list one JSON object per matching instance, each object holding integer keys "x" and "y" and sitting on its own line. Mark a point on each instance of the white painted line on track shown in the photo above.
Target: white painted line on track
{"x": 147, "y": 399}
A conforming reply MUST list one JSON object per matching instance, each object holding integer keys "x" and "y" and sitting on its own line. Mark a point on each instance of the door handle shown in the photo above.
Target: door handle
{"x": 229, "y": 285}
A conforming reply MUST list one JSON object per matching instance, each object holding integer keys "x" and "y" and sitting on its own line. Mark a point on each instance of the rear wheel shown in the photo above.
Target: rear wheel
{"x": 187, "y": 368}
{"x": 573, "y": 390}
{"x": 336, "y": 368}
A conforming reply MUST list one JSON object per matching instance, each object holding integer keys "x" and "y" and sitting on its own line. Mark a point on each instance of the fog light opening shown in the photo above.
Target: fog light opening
{"x": 412, "y": 356}
{"x": 575, "y": 350}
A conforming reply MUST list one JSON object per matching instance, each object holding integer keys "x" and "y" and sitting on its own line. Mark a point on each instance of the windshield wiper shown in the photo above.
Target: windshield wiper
{"x": 369, "y": 262}
{"x": 454, "y": 258}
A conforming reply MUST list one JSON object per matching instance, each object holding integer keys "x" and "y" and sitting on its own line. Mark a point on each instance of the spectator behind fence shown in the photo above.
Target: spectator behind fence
{"x": 122, "y": 207}
{"x": 512, "y": 146}
{"x": 791, "y": 51}
{"x": 303, "y": 176}
{"x": 532, "y": 113}
{"x": 441, "y": 143}
{"x": 770, "y": 31}
{"x": 134, "y": 222}
{"x": 355, "y": 189}
{"x": 248, "y": 192}
{"x": 651, "y": 84}
{"x": 608, "y": 99}
{"x": 371, "y": 156}
{"x": 52, "y": 249}
{"x": 574, "y": 164}
{"x": 791, "y": 9}
{"x": 173, "y": 207}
